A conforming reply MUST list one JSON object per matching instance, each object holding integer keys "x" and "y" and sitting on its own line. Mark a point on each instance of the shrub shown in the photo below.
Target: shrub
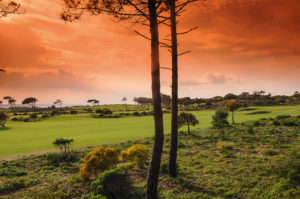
{"x": 276, "y": 123}
{"x": 220, "y": 118}
{"x": 98, "y": 160}
{"x": 280, "y": 117}
{"x": 3, "y": 118}
{"x": 290, "y": 123}
{"x": 64, "y": 145}
{"x": 14, "y": 119}
{"x": 26, "y": 120}
{"x": 53, "y": 113}
{"x": 137, "y": 154}
{"x": 33, "y": 116}
{"x": 45, "y": 116}
{"x": 250, "y": 130}
{"x": 113, "y": 184}
{"x": 73, "y": 112}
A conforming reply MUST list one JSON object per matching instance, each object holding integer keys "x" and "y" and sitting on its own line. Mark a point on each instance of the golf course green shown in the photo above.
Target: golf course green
{"x": 23, "y": 138}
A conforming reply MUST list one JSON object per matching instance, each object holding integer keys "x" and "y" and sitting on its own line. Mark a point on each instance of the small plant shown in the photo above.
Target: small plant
{"x": 98, "y": 160}
{"x": 138, "y": 154}
{"x": 187, "y": 119}
{"x": 220, "y": 118}
{"x": 64, "y": 145}
{"x": 3, "y": 118}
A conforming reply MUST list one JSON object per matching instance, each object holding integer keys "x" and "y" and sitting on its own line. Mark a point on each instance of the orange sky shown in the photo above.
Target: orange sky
{"x": 240, "y": 45}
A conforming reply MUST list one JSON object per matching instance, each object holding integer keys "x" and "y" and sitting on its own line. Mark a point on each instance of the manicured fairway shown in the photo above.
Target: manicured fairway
{"x": 22, "y": 138}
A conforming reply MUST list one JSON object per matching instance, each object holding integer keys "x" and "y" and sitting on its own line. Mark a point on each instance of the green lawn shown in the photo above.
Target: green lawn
{"x": 20, "y": 138}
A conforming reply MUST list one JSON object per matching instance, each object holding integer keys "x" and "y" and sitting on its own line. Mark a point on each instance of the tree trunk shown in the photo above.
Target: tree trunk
{"x": 153, "y": 173}
{"x": 189, "y": 131}
{"x": 174, "y": 125}
{"x": 232, "y": 117}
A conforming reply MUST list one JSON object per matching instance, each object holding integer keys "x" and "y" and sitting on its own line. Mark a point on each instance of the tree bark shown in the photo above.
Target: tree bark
{"x": 153, "y": 173}
{"x": 174, "y": 126}
{"x": 232, "y": 118}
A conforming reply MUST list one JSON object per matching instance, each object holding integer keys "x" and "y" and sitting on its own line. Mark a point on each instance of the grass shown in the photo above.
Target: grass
{"x": 21, "y": 138}
{"x": 210, "y": 167}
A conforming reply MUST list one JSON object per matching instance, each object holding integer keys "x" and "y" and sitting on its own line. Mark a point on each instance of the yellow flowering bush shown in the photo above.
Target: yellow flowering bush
{"x": 137, "y": 154}
{"x": 98, "y": 160}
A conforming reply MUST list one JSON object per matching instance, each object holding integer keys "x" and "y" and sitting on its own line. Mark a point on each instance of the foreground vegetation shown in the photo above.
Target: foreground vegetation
{"x": 253, "y": 159}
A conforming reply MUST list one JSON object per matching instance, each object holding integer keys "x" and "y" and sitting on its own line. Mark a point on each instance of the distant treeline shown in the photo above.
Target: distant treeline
{"x": 245, "y": 99}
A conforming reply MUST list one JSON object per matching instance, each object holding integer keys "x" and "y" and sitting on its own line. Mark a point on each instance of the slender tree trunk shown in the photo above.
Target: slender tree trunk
{"x": 174, "y": 127}
{"x": 232, "y": 117}
{"x": 153, "y": 173}
{"x": 189, "y": 130}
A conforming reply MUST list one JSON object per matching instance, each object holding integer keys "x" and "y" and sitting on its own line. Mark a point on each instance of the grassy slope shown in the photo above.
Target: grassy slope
{"x": 206, "y": 170}
{"x": 24, "y": 138}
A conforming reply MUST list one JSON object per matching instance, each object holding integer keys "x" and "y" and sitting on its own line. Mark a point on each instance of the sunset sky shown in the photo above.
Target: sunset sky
{"x": 240, "y": 45}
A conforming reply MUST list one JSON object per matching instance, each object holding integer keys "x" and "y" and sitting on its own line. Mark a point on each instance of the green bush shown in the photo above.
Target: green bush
{"x": 280, "y": 117}
{"x": 73, "y": 112}
{"x": 250, "y": 130}
{"x": 219, "y": 120}
{"x": 33, "y": 116}
{"x": 276, "y": 123}
{"x": 113, "y": 184}
{"x": 291, "y": 123}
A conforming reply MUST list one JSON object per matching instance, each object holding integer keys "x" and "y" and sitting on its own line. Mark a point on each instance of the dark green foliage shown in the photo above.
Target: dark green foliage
{"x": 290, "y": 122}
{"x": 73, "y": 112}
{"x": 280, "y": 117}
{"x": 113, "y": 184}
{"x": 276, "y": 123}
{"x": 64, "y": 145}
{"x": 53, "y": 113}
{"x": 250, "y": 129}
{"x": 219, "y": 120}
{"x": 188, "y": 119}
{"x": 33, "y": 116}
{"x": 3, "y": 118}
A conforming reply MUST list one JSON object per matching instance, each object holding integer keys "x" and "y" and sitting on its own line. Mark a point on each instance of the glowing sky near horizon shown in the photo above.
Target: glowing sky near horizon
{"x": 240, "y": 45}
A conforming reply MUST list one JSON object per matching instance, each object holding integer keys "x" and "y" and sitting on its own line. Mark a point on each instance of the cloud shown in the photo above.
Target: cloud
{"x": 45, "y": 82}
{"x": 211, "y": 78}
